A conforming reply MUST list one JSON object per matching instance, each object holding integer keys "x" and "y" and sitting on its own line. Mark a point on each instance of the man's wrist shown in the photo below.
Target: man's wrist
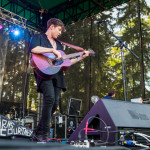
{"x": 77, "y": 58}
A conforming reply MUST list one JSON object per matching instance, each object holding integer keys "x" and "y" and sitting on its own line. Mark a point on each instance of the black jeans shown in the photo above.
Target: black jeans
{"x": 51, "y": 95}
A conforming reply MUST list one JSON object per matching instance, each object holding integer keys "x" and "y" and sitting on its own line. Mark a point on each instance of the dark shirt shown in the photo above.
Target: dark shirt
{"x": 42, "y": 40}
{"x": 108, "y": 97}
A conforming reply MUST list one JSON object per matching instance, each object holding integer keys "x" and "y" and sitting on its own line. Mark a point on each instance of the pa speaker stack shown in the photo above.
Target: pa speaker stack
{"x": 60, "y": 126}
{"x": 113, "y": 118}
{"x": 73, "y": 112}
{"x": 66, "y": 124}
{"x": 74, "y": 107}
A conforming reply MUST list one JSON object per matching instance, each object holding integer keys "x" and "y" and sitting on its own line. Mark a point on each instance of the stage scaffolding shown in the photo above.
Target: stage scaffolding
{"x": 14, "y": 64}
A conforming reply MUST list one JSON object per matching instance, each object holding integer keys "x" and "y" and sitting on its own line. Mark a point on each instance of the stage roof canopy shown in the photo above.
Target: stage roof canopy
{"x": 38, "y": 11}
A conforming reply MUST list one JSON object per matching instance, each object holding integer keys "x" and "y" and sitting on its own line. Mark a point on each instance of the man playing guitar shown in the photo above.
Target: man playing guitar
{"x": 51, "y": 88}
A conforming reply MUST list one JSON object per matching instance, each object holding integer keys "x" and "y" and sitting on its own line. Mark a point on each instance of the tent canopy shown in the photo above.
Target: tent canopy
{"x": 37, "y": 12}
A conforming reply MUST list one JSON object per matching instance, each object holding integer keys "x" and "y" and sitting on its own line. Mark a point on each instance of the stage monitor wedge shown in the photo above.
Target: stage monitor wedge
{"x": 117, "y": 115}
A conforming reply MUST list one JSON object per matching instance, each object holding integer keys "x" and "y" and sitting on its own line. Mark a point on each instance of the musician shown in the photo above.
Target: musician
{"x": 111, "y": 95}
{"x": 51, "y": 88}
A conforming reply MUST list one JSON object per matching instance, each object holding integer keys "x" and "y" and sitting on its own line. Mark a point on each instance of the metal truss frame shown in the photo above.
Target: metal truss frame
{"x": 12, "y": 18}
{"x": 72, "y": 11}
{"x": 23, "y": 10}
{"x": 69, "y": 11}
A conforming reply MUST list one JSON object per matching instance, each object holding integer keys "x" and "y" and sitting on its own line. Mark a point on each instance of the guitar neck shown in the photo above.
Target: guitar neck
{"x": 72, "y": 55}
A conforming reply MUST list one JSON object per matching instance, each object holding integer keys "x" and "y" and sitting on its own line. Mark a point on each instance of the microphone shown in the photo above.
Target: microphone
{"x": 98, "y": 22}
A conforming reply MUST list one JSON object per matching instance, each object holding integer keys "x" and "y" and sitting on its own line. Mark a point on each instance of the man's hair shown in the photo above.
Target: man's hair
{"x": 55, "y": 22}
{"x": 111, "y": 92}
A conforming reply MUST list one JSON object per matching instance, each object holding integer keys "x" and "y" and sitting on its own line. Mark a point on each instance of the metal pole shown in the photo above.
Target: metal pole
{"x": 123, "y": 72}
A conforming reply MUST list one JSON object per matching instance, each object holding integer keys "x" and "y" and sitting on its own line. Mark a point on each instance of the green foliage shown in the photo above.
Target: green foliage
{"x": 137, "y": 38}
{"x": 95, "y": 75}
{"x": 104, "y": 71}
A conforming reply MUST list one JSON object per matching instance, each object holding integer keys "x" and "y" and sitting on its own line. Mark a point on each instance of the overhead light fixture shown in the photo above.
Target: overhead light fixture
{"x": 6, "y": 29}
{"x": 16, "y": 32}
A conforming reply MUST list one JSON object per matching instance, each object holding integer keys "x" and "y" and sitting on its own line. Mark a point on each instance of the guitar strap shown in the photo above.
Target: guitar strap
{"x": 80, "y": 49}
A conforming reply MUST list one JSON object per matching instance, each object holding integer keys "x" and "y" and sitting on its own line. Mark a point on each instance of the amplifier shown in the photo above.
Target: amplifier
{"x": 29, "y": 122}
{"x": 72, "y": 123}
{"x": 74, "y": 107}
{"x": 132, "y": 134}
{"x": 60, "y": 126}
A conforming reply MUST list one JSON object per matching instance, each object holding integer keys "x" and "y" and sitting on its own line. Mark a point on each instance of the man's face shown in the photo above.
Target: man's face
{"x": 56, "y": 31}
{"x": 113, "y": 95}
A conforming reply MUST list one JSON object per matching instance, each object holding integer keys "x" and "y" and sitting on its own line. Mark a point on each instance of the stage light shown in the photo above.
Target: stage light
{"x": 1, "y": 27}
{"x": 16, "y": 32}
{"x": 6, "y": 29}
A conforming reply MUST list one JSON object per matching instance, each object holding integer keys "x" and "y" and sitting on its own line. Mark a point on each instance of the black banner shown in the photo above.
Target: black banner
{"x": 9, "y": 128}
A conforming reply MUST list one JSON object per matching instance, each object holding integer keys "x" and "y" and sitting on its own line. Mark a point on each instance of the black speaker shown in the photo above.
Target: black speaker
{"x": 60, "y": 126}
{"x": 74, "y": 107}
{"x": 113, "y": 119}
{"x": 72, "y": 123}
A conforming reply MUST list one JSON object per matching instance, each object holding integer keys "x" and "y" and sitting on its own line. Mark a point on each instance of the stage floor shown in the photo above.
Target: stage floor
{"x": 29, "y": 145}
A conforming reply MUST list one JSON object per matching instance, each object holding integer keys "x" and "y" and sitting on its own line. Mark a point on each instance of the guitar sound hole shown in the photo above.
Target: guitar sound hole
{"x": 58, "y": 62}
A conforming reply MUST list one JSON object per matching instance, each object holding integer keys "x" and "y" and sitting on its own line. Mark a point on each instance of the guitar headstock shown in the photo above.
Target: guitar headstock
{"x": 92, "y": 53}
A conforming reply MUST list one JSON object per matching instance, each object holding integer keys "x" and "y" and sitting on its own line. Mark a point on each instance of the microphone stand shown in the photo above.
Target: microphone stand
{"x": 122, "y": 45}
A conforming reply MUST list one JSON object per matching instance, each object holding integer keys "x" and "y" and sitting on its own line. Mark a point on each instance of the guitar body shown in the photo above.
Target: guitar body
{"x": 44, "y": 67}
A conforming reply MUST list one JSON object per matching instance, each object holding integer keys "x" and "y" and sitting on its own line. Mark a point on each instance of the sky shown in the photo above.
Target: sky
{"x": 148, "y": 2}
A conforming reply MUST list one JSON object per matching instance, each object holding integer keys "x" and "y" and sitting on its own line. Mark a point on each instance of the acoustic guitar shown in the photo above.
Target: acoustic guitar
{"x": 46, "y": 65}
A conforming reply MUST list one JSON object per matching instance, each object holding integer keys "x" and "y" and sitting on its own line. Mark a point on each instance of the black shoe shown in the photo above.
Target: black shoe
{"x": 36, "y": 137}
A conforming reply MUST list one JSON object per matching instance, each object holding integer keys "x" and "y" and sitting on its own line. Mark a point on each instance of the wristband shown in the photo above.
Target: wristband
{"x": 77, "y": 58}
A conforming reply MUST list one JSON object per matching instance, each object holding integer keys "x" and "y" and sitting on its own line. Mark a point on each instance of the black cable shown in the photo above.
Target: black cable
{"x": 24, "y": 94}
{"x": 104, "y": 124}
{"x": 79, "y": 135}
{"x": 108, "y": 132}
{"x": 25, "y": 84}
